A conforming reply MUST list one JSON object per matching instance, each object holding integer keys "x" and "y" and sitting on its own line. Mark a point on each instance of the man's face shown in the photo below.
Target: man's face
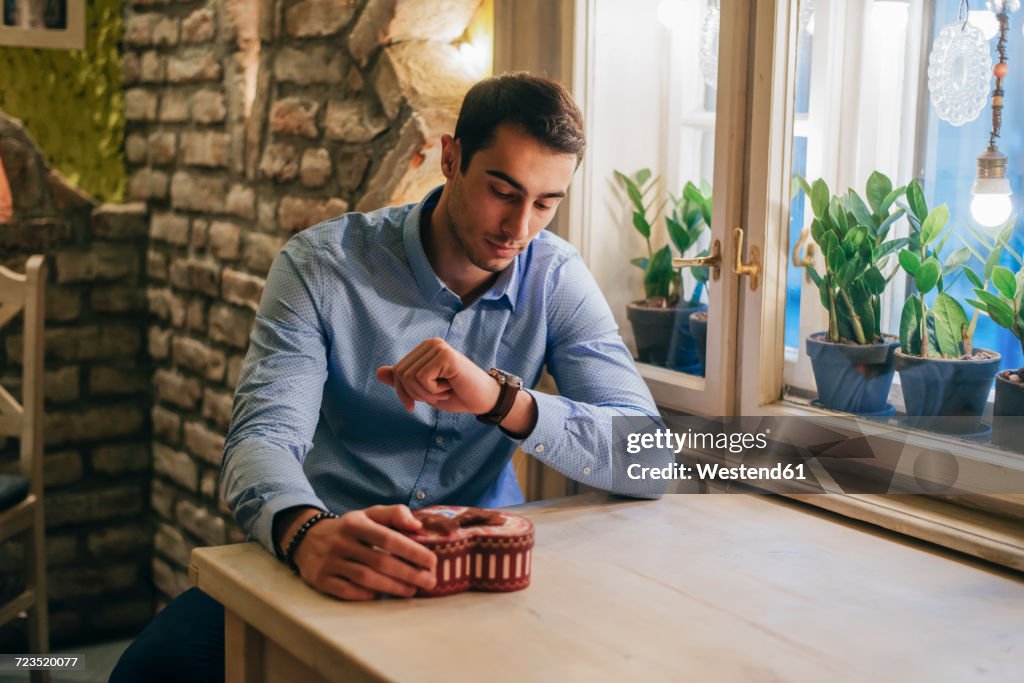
{"x": 507, "y": 195}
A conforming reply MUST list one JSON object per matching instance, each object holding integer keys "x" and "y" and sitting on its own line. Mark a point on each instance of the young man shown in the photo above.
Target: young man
{"x": 383, "y": 371}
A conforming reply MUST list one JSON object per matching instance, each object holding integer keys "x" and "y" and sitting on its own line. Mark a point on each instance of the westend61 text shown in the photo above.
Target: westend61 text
{"x": 708, "y": 472}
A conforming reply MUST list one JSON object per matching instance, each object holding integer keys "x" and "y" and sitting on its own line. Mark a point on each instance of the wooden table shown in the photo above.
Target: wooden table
{"x": 688, "y": 588}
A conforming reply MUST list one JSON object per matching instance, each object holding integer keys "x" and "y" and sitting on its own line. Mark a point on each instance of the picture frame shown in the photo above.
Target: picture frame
{"x": 55, "y": 24}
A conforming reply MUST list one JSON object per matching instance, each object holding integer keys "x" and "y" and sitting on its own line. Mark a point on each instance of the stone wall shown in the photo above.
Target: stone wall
{"x": 248, "y": 121}
{"x": 97, "y": 386}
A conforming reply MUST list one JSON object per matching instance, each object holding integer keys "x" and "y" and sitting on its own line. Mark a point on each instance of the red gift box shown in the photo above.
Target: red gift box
{"x": 482, "y": 550}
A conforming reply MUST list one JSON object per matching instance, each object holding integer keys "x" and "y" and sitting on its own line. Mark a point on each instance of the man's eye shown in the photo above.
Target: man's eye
{"x": 501, "y": 195}
{"x": 544, "y": 207}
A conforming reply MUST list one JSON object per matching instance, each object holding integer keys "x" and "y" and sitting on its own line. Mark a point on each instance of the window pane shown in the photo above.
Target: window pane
{"x": 866, "y": 119}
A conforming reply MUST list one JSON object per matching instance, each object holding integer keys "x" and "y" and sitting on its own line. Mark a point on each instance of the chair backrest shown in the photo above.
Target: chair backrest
{"x": 25, "y": 420}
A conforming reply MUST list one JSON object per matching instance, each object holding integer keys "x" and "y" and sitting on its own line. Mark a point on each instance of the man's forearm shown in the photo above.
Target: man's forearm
{"x": 521, "y": 420}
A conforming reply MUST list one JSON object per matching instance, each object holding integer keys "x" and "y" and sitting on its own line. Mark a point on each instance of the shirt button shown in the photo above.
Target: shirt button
{"x": 420, "y": 495}
{"x": 539, "y": 448}
{"x": 439, "y": 439}
{"x": 586, "y": 470}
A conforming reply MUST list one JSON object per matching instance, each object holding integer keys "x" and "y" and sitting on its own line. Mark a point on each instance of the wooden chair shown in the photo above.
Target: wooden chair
{"x": 21, "y": 496}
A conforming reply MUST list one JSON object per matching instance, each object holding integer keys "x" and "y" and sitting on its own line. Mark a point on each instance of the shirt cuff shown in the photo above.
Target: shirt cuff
{"x": 549, "y": 433}
{"x": 263, "y": 528}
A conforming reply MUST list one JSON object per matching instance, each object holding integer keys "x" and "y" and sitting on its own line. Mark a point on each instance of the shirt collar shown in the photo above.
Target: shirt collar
{"x": 506, "y": 287}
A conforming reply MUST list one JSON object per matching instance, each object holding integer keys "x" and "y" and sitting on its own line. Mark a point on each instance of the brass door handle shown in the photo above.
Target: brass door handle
{"x": 753, "y": 266}
{"x": 714, "y": 261}
{"x": 807, "y": 247}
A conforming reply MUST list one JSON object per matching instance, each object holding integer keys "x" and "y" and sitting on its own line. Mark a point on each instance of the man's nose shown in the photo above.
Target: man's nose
{"x": 517, "y": 224}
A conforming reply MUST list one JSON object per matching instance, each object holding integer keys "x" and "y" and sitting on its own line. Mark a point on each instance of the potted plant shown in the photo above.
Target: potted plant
{"x": 652, "y": 316}
{"x": 852, "y": 360}
{"x": 690, "y": 217}
{"x": 942, "y": 374}
{"x": 1006, "y": 308}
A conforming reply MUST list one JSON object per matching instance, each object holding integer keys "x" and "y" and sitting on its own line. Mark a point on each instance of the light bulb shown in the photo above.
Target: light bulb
{"x": 986, "y": 21}
{"x": 671, "y": 13}
{"x": 991, "y": 210}
{"x": 990, "y": 201}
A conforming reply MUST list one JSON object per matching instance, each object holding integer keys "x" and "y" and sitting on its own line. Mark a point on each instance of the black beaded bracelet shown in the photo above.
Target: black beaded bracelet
{"x": 293, "y": 545}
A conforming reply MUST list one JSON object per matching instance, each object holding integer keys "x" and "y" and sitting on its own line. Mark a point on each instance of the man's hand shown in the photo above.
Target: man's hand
{"x": 361, "y": 554}
{"x": 437, "y": 374}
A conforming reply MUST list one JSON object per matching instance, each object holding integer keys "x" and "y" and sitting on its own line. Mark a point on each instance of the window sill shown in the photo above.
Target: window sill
{"x": 985, "y": 535}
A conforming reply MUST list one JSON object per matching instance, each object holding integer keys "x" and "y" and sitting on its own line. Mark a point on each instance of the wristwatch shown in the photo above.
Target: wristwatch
{"x": 510, "y": 386}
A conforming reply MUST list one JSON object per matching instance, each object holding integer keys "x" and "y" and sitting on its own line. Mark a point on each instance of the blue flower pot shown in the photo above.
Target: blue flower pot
{"x": 1008, "y": 412}
{"x": 652, "y": 332}
{"x": 682, "y": 350}
{"x": 852, "y": 378}
{"x": 936, "y": 389}
{"x": 699, "y": 330}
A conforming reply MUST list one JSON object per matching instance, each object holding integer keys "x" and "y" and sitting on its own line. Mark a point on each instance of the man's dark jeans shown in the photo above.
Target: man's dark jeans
{"x": 184, "y": 643}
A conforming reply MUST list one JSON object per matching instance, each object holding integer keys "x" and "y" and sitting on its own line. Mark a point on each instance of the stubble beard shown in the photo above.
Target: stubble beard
{"x": 461, "y": 244}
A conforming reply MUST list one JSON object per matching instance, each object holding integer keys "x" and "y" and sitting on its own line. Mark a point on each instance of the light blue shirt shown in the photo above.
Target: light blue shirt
{"x": 313, "y": 426}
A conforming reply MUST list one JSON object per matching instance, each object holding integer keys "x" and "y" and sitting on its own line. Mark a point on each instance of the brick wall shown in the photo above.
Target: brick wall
{"x": 249, "y": 121}
{"x": 97, "y": 385}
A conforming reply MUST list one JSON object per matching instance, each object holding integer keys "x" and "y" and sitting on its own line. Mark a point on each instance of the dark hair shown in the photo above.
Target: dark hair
{"x": 540, "y": 106}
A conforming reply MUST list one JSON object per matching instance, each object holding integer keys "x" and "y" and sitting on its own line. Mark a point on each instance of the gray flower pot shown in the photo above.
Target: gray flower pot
{"x": 652, "y": 331}
{"x": 936, "y": 389}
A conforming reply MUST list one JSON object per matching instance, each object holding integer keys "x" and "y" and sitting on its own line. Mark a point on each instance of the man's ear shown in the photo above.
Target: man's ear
{"x": 450, "y": 155}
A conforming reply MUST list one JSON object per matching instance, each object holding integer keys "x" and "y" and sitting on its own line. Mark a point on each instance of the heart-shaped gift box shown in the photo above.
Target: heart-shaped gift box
{"x": 482, "y": 550}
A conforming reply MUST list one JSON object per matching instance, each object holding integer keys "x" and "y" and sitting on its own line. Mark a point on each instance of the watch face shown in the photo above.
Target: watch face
{"x": 506, "y": 377}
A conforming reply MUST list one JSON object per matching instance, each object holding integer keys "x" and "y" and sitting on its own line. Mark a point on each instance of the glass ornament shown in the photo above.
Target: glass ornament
{"x": 959, "y": 73}
{"x": 709, "y": 46}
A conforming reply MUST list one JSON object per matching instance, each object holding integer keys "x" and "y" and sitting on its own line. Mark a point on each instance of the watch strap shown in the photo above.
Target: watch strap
{"x": 506, "y": 398}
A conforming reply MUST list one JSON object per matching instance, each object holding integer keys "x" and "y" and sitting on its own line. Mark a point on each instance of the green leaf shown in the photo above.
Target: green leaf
{"x": 640, "y": 262}
{"x": 915, "y": 201}
{"x": 819, "y": 198}
{"x": 879, "y": 187}
{"x": 680, "y": 236}
{"x": 927, "y": 275}
{"x": 659, "y": 273}
{"x": 633, "y": 192}
{"x": 883, "y": 227}
{"x": 1004, "y": 281}
{"x": 910, "y": 327}
{"x": 982, "y": 308}
{"x": 823, "y": 290}
{"x": 992, "y": 261}
{"x": 692, "y": 194}
{"x": 642, "y": 176}
{"x": 874, "y": 281}
{"x": 973, "y": 277}
{"x": 641, "y": 224}
{"x": 802, "y": 184}
{"x": 1000, "y": 313}
{"x": 887, "y": 248}
{"x": 950, "y": 320}
{"x": 890, "y": 198}
{"x": 933, "y": 337}
{"x": 859, "y": 209}
{"x": 955, "y": 260}
{"x": 815, "y": 278}
{"x": 934, "y": 224}
{"x": 837, "y": 212}
{"x": 835, "y": 258}
{"x": 910, "y": 262}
